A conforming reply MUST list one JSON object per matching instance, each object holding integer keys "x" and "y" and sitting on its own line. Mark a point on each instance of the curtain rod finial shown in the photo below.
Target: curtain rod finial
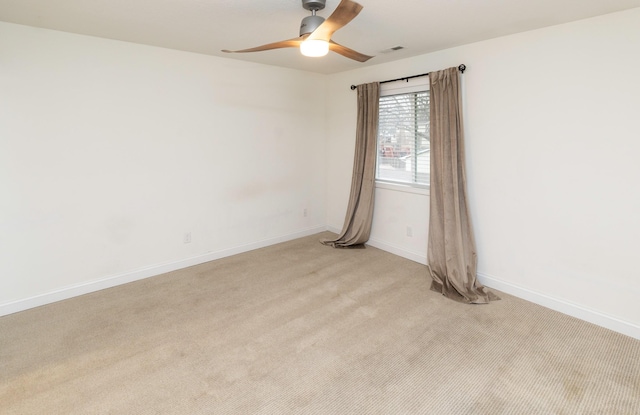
{"x": 462, "y": 68}
{"x": 353, "y": 87}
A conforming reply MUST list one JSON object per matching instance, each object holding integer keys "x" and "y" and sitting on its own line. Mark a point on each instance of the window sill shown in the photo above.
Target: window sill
{"x": 405, "y": 188}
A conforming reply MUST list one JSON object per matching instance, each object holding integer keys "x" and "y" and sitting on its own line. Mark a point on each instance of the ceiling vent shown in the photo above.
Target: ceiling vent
{"x": 393, "y": 49}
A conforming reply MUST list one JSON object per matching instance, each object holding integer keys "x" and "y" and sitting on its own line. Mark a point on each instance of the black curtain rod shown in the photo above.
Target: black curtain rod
{"x": 461, "y": 68}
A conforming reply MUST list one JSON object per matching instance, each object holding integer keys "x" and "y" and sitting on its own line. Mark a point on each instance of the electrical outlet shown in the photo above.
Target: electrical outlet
{"x": 305, "y": 212}
{"x": 187, "y": 238}
{"x": 409, "y": 231}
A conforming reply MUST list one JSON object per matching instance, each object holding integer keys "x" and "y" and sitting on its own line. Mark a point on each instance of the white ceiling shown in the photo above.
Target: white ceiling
{"x": 207, "y": 26}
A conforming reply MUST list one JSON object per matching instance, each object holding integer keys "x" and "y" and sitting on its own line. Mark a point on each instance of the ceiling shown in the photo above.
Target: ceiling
{"x": 207, "y": 26}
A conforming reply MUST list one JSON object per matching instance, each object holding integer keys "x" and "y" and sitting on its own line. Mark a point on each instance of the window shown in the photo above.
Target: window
{"x": 403, "y": 134}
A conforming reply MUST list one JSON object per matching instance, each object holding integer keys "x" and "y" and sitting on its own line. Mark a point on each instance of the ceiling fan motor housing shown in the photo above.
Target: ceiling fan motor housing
{"x": 310, "y": 23}
{"x": 313, "y": 4}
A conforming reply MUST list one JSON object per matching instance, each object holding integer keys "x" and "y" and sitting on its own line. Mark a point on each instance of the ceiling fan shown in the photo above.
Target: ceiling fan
{"x": 315, "y": 32}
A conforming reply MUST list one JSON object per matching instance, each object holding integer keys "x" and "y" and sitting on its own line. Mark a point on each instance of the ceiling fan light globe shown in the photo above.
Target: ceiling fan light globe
{"x": 314, "y": 48}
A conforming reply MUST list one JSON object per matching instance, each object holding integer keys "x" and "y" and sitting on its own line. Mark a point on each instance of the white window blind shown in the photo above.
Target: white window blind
{"x": 403, "y": 138}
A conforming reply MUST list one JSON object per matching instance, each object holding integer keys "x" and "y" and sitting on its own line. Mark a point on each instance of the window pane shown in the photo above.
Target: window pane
{"x": 403, "y": 138}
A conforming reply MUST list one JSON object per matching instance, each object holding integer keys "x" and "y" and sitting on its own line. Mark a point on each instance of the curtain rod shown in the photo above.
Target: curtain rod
{"x": 461, "y": 68}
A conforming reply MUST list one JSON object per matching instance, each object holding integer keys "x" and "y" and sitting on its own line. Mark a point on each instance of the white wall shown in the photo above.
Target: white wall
{"x": 552, "y": 139}
{"x": 110, "y": 152}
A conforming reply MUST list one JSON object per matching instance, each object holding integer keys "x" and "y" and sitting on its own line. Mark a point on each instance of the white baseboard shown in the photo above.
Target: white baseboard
{"x": 114, "y": 280}
{"x": 574, "y": 310}
{"x": 333, "y": 229}
{"x": 560, "y": 305}
{"x": 563, "y": 306}
{"x": 376, "y": 243}
{"x": 413, "y": 256}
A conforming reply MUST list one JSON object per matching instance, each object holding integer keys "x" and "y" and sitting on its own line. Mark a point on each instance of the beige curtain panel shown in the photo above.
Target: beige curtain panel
{"x": 451, "y": 254}
{"x": 357, "y": 223}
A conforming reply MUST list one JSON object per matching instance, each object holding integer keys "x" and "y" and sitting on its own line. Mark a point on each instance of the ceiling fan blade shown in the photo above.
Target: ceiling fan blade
{"x": 343, "y": 14}
{"x": 291, "y": 43}
{"x": 348, "y": 53}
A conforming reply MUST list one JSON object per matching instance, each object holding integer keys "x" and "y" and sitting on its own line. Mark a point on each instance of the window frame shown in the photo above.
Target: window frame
{"x": 420, "y": 84}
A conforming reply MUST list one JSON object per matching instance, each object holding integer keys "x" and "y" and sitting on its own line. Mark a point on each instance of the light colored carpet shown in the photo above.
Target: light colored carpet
{"x": 302, "y": 328}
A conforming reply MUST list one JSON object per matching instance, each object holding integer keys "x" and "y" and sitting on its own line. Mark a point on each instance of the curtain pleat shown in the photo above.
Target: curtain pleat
{"x": 357, "y": 223}
{"x": 451, "y": 253}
